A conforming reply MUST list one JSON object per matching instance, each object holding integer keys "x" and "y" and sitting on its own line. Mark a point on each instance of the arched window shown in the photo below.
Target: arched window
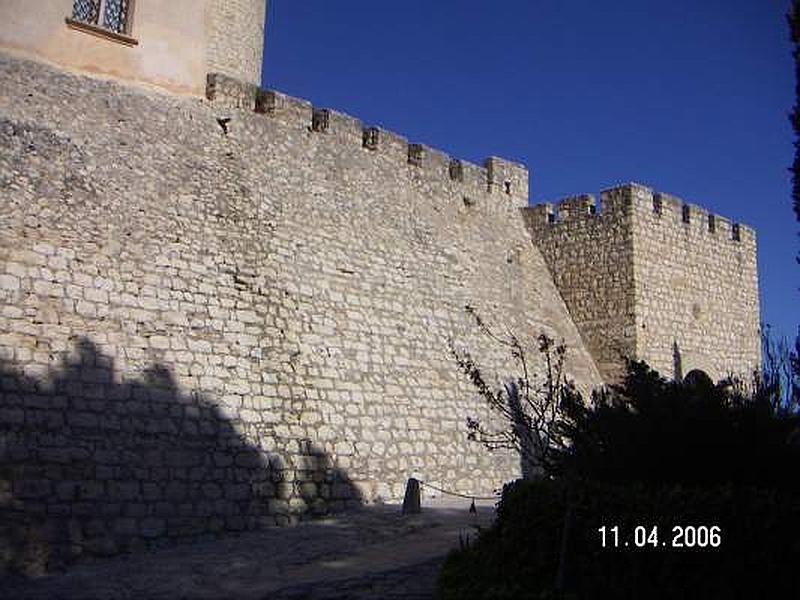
{"x": 113, "y": 15}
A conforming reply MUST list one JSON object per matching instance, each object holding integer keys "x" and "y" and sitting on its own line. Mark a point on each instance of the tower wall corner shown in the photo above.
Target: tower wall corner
{"x": 235, "y": 38}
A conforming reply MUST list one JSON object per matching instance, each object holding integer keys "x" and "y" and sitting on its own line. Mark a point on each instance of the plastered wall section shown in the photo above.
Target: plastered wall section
{"x": 590, "y": 257}
{"x": 172, "y": 41}
{"x": 214, "y": 318}
{"x": 696, "y": 289}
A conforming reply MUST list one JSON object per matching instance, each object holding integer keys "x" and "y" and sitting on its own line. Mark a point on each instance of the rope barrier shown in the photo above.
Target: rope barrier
{"x": 449, "y": 493}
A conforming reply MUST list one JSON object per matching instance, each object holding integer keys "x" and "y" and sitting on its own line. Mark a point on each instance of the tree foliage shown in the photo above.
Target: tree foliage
{"x": 794, "y": 28}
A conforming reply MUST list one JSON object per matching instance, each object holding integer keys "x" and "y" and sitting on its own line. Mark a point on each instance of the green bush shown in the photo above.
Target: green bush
{"x": 518, "y": 557}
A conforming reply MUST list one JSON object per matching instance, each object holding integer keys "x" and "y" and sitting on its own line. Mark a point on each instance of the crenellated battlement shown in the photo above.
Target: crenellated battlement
{"x": 624, "y": 201}
{"x": 291, "y": 278}
{"x": 697, "y": 219}
{"x": 647, "y": 274}
{"x": 497, "y": 177}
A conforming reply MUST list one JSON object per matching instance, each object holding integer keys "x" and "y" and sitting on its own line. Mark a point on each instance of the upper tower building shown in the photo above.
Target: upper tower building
{"x": 172, "y": 44}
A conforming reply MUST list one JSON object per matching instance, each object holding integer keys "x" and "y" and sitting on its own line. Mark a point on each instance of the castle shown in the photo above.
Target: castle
{"x": 223, "y": 307}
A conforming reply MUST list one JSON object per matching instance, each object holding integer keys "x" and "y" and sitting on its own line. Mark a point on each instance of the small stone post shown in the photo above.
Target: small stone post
{"x": 411, "y": 503}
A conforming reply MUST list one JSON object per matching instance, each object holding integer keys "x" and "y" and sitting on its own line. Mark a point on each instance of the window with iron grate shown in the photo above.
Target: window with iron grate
{"x": 108, "y": 14}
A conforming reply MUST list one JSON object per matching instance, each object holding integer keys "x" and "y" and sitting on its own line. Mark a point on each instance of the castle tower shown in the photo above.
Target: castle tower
{"x": 173, "y": 45}
{"x": 651, "y": 277}
{"x": 235, "y": 38}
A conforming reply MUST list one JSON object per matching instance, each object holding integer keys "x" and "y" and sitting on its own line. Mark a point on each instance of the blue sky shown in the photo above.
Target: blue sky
{"x": 690, "y": 97}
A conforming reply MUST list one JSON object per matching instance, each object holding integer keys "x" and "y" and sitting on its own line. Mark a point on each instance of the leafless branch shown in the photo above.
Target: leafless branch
{"x": 532, "y": 413}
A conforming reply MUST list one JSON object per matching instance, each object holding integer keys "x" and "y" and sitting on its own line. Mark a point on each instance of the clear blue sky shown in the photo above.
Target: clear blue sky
{"x": 690, "y": 97}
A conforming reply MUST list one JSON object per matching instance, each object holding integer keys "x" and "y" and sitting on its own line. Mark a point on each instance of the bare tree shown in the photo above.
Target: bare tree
{"x": 531, "y": 405}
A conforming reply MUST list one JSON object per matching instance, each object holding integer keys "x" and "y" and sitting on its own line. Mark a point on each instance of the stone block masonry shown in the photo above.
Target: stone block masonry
{"x": 218, "y": 315}
{"x": 651, "y": 277}
{"x": 590, "y": 257}
{"x": 235, "y": 37}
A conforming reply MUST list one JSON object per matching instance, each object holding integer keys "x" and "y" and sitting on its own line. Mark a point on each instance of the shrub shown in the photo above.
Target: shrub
{"x": 519, "y": 556}
{"x": 649, "y": 453}
{"x": 655, "y": 431}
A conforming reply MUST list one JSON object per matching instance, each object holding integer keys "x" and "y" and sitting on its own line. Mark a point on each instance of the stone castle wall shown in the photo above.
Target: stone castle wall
{"x": 590, "y": 257}
{"x": 696, "y": 288}
{"x": 213, "y": 319}
{"x": 235, "y": 38}
{"x": 650, "y": 277}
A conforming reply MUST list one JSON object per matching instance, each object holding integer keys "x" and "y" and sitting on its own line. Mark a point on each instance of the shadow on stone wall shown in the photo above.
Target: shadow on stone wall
{"x": 90, "y": 466}
{"x": 529, "y": 467}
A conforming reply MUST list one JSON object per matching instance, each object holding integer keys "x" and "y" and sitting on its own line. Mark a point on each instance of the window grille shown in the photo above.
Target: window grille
{"x": 86, "y": 11}
{"x": 115, "y": 13}
{"x": 115, "y": 16}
